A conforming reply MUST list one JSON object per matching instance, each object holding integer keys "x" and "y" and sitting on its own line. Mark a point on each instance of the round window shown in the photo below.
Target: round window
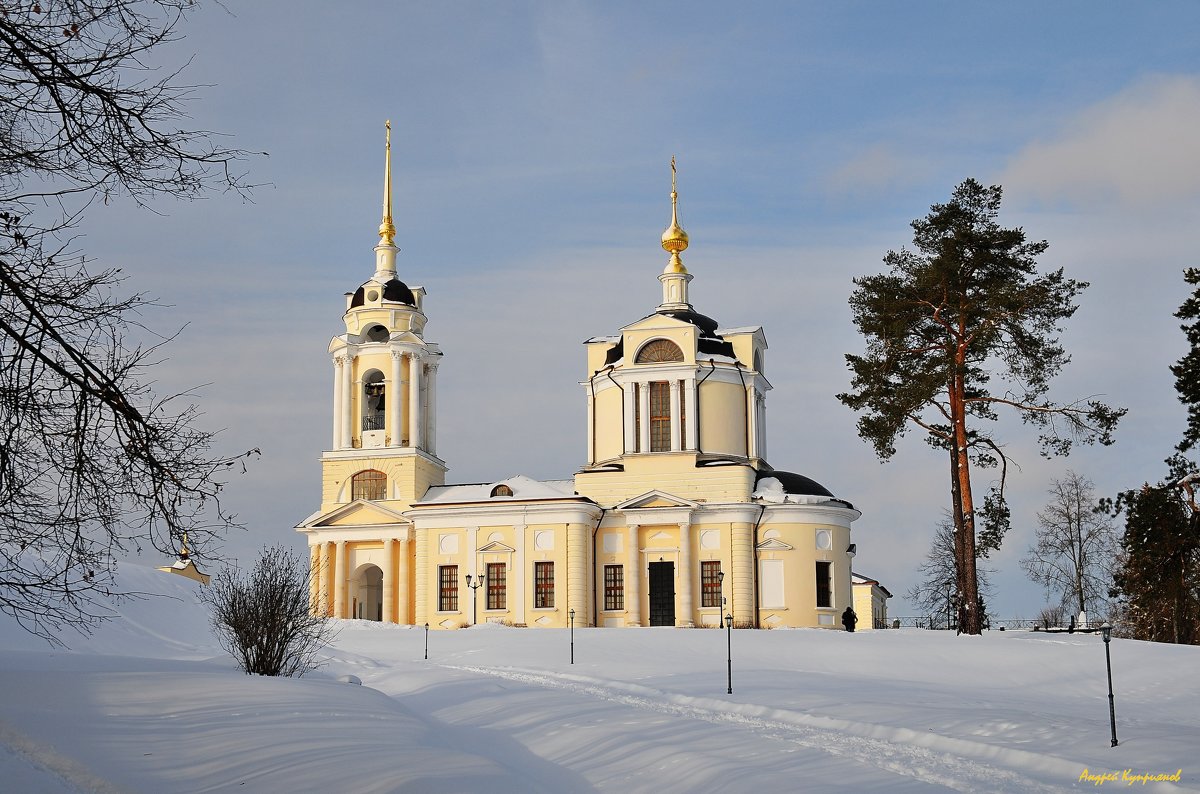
{"x": 373, "y": 295}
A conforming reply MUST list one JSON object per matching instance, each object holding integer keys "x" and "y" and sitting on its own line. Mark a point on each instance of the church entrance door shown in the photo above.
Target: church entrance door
{"x": 662, "y": 594}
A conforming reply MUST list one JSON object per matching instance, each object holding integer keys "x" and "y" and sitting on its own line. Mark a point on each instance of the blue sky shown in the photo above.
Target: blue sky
{"x": 531, "y": 144}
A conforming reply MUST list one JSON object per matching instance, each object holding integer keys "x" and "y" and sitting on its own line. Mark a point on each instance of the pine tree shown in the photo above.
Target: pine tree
{"x": 966, "y": 306}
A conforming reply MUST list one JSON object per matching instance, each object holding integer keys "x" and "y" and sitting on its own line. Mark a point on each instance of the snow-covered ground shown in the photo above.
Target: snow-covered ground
{"x": 151, "y": 704}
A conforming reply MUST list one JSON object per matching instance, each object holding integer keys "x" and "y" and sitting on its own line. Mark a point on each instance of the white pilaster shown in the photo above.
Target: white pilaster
{"x": 689, "y": 401}
{"x": 394, "y": 390}
{"x": 633, "y": 579}
{"x": 591, "y": 421}
{"x": 630, "y": 425}
{"x": 389, "y": 580}
{"x": 521, "y": 567}
{"x": 346, "y": 413}
{"x": 338, "y": 362}
{"x": 414, "y": 401}
{"x": 404, "y": 584}
{"x": 644, "y": 407}
{"x": 431, "y": 409}
{"x": 339, "y": 580}
{"x": 675, "y": 434}
{"x": 686, "y": 575}
{"x": 752, "y": 416}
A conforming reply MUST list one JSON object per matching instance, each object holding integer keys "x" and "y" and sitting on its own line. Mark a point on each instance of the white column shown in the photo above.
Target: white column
{"x": 752, "y": 417}
{"x": 762, "y": 426}
{"x": 674, "y": 385}
{"x": 338, "y": 361}
{"x": 389, "y": 580}
{"x": 630, "y": 441}
{"x": 520, "y": 574}
{"x": 339, "y": 580}
{"x": 347, "y": 408}
{"x": 633, "y": 576}
{"x": 689, "y": 401}
{"x": 431, "y": 409}
{"x": 591, "y": 421}
{"x": 686, "y": 575}
{"x": 394, "y": 391}
{"x": 422, "y": 609}
{"x": 644, "y": 407}
{"x": 314, "y": 577}
{"x": 404, "y": 584}
{"x": 414, "y": 401}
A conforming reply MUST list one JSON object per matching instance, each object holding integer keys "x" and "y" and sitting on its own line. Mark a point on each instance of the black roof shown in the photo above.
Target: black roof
{"x": 794, "y": 483}
{"x": 394, "y": 290}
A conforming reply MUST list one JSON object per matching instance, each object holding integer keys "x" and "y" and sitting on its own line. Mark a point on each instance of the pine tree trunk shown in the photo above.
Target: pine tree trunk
{"x": 970, "y": 622}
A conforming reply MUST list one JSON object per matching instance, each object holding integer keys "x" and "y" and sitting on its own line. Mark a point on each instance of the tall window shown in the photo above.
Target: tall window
{"x": 660, "y": 416}
{"x": 710, "y": 583}
{"x": 614, "y": 587}
{"x": 447, "y": 588}
{"x": 824, "y": 585}
{"x": 543, "y": 585}
{"x": 497, "y": 586}
{"x": 369, "y": 484}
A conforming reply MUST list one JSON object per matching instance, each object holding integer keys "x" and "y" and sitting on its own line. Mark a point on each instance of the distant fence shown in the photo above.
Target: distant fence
{"x": 939, "y": 623}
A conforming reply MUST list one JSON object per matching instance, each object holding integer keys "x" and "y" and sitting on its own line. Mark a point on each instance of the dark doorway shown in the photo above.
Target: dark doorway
{"x": 662, "y": 594}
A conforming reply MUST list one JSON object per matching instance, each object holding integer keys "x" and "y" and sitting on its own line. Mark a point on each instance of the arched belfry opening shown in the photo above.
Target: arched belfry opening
{"x": 374, "y": 400}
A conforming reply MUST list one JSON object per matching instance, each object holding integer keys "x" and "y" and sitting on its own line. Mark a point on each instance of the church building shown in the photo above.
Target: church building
{"x": 674, "y": 518}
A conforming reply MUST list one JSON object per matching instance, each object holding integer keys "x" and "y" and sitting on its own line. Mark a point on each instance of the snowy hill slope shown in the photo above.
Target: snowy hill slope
{"x": 150, "y": 703}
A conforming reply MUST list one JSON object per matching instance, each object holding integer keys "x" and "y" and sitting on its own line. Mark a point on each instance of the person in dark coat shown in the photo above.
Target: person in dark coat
{"x": 849, "y": 619}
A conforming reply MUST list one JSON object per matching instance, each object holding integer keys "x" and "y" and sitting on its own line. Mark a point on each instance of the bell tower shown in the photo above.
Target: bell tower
{"x": 384, "y": 441}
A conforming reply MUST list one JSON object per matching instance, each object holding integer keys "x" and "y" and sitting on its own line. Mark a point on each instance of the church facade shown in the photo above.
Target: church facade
{"x": 675, "y": 518}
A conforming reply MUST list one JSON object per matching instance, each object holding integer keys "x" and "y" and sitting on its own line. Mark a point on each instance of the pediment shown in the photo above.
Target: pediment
{"x": 653, "y": 499}
{"x": 656, "y": 322}
{"x": 360, "y": 512}
{"x": 496, "y": 547}
{"x": 773, "y": 544}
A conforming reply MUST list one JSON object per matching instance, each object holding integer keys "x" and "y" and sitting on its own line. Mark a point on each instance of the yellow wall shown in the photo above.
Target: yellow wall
{"x": 722, "y": 418}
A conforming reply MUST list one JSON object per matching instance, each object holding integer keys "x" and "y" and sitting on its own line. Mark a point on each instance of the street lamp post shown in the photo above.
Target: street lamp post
{"x": 426, "y": 640}
{"x": 721, "y": 585}
{"x": 729, "y": 651}
{"x": 1106, "y": 630}
{"x": 572, "y": 614}
{"x": 474, "y": 587}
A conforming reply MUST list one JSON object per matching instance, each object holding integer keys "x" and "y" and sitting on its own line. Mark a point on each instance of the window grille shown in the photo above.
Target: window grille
{"x": 710, "y": 583}
{"x": 369, "y": 484}
{"x": 447, "y": 588}
{"x": 614, "y": 587}
{"x": 497, "y": 586}
{"x": 543, "y": 585}
{"x": 660, "y": 416}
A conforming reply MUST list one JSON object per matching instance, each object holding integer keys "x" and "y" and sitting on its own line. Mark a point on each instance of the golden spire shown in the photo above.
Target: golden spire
{"x": 387, "y": 230}
{"x": 674, "y": 239}
{"x": 183, "y": 549}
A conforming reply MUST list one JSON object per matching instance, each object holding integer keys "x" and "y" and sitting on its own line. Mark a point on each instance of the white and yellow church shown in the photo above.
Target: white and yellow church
{"x": 674, "y": 519}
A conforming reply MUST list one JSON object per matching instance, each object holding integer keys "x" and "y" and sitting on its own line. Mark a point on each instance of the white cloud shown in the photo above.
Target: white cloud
{"x": 876, "y": 168}
{"x": 1136, "y": 148}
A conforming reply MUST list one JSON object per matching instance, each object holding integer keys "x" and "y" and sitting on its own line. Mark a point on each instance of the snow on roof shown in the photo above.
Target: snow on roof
{"x": 616, "y": 338}
{"x": 745, "y": 329}
{"x": 522, "y": 488}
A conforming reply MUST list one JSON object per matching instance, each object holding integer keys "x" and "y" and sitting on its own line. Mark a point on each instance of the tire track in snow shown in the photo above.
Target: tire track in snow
{"x": 931, "y": 758}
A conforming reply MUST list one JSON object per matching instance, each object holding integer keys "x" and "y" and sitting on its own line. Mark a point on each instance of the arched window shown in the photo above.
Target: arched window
{"x": 373, "y": 400}
{"x": 369, "y": 484}
{"x": 659, "y": 351}
{"x": 502, "y": 490}
{"x": 377, "y": 333}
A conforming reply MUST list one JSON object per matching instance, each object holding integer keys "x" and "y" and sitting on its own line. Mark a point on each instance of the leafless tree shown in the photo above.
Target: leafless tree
{"x": 1075, "y": 546}
{"x": 265, "y": 618}
{"x": 92, "y": 461}
{"x": 937, "y": 593}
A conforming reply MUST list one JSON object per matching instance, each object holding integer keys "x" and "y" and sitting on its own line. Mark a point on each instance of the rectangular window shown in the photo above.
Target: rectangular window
{"x": 497, "y": 586}
{"x": 824, "y": 585}
{"x": 447, "y": 588}
{"x": 660, "y": 416}
{"x": 614, "y": 587}
{"x": 543, "y": 585}
{"x": 710, "y": 583}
